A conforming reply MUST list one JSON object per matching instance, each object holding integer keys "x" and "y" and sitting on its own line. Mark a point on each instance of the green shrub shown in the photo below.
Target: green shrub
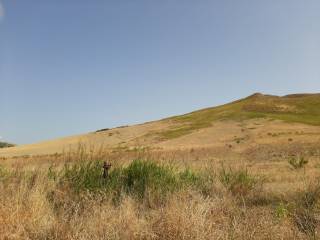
{"x": 189, "y": 177}
{"x": 142, "y": 175}
{"x": 136, "y": 179}
{"x": 202, "y": 181}
{"x": 281, "y": 210}
{"x": 297, "y": 162}
{"x": 3, "y": 173}
{"x": 83, "y": 175}
{"x": 53, "y": 175}
{"x": 238, "y": 182}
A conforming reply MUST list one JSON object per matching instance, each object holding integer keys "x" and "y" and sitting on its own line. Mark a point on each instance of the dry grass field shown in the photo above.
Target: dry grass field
{"x": 163, "y": 195}
{"x": 245, "y": 170}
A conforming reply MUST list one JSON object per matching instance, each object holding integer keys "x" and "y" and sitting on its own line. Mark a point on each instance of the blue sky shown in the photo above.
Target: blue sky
{"x": 74, "y": 66}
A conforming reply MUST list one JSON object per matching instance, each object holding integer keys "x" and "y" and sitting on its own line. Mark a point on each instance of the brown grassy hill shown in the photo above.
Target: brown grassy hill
{"x": 241, "y": 126}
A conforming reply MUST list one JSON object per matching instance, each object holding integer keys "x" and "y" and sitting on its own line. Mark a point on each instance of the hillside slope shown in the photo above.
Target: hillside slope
{"x": 300, "y": 108}
{"x": 255, "y": 120}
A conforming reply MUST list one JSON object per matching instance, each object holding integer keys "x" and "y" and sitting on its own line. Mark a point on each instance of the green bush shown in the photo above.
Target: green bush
{"x": 238, "y": 182}
{"x": 136, "y": 179}
{"x": 3, "y": 173}
{"x": 297, "y": 162}
{"x": 142, "y": 175}
{"x": 83, "y": 175}
{"x": 281, "y": 210}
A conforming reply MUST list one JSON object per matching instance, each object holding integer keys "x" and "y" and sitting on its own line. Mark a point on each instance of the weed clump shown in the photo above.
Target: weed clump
{"x": 141, "y": 176}
{"x": 238, "y": 182}
{"x": 281, "y": 210}
{"x": 297, "y": 162}
{"x": 3, "y": 173}
{"x": 306, "y": 210}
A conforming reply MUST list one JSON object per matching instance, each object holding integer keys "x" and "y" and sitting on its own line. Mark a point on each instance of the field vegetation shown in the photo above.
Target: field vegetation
{"x": 259, "y": 180}
{"x": 149, "y": 195}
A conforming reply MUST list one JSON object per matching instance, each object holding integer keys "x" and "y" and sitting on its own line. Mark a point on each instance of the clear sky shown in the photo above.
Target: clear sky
{"x": 73, "y": 66}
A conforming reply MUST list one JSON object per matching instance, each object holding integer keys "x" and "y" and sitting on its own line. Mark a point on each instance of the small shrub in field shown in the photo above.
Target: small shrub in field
{"x": 52, "y": 174}
{"x": 189, "y": 177}
{"x": 238, "y": 182}
{"x": 305, "y": 221}
{"x": 307, "y": 209}
{"x": 281, "y": 211}
{"x": 142, "y": 175}
{"x": 202, "y": 182}
{"x": 84, "y": 175}
{"x": 297, "y": 162}
{"x": 3, "y": 173}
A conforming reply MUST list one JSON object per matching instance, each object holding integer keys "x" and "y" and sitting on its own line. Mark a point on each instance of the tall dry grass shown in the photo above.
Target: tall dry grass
{"x": 38, "y": 203}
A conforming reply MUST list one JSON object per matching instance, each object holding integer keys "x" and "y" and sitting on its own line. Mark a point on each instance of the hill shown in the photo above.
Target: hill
{"x": 300, "y": 108}
{"x": 241, "y": 125}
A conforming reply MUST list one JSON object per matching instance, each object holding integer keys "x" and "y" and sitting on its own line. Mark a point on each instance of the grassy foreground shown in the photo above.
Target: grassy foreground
{"x": 144, "y": 199}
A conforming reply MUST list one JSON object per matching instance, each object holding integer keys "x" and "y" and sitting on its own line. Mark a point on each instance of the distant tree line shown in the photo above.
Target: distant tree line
{"x": 5, "y": 145}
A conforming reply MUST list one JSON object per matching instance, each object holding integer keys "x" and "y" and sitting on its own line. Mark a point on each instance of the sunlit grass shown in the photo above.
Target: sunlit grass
{"x": 302, "y": 109}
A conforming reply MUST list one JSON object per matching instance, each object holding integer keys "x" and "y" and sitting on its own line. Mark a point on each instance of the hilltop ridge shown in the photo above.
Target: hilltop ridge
{"x": 215, "y": 126}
